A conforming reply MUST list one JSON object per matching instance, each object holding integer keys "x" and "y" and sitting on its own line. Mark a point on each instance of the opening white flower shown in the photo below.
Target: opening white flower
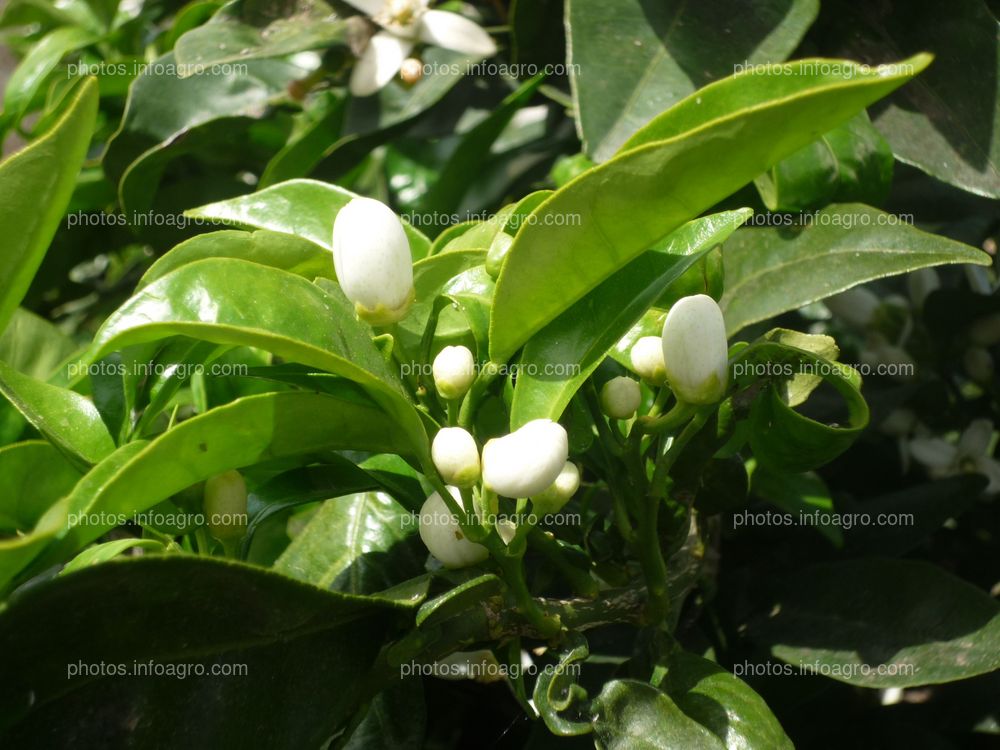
{"x": 970, "y": 455}
{"x": 404, "y": 24}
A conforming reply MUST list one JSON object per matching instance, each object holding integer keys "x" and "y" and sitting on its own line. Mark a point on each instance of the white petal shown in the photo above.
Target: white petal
{"x": 990, "y": 468}
{"x": 379, "y": 62}
{"x": 975, "y": 439}
{"x": 933, "y": 452}
{"x": 695, "y": 352}
{"x": 369, "y": 7}
{"x": 452, "y": 31}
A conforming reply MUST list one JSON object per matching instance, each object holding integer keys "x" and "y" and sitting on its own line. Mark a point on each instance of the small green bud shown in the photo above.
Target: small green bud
{"x": 226, "y": 505}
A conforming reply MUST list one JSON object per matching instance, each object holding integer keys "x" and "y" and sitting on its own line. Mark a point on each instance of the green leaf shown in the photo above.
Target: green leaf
{"x": 850, "y": 163}
{"x": 458, "y": 599}
{"x": 775, "y": 269}
{"x": 381, "y": 729}
{"x": 305, "y": 208}
{"x": 287, "y": 316}
{"x": 243, "y": 30}
{"x": 586, "y": 331}
{"x": 36, "y": 184}
{"x": 946, "y": 124}
{"x": 803, "y": 496}
{"x": 101, "y": 553}
{"x": 242, "y": 433}
{"x": 263, "y": 628}
{"x": 30, "y": 74}
{"x": 632, "y": 715}
{"x": 723, "y": 703}
{"x": 34, "y": 474}
{"x": 781, "y": 438}
{"x": 883, "y": 623}
{"x": 464, "y": 166}
{"x": 67, "y": 419}
{"x": 32, "y": 345}
{"x": 665, "y": 51}
{"x": 284, "y": 251}
{"x": 609, "y": 215}
{"x": 358, "y": 544}
{"x": 164, "y": 111}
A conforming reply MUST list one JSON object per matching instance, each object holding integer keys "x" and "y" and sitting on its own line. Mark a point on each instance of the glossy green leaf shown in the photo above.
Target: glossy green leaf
{"x": 883, "y": 623}
{"x": 35, "y": 475}
{"x": 164, "y": 110}
{"x": 246, "y": 30}
{"x": 663, "y": 52}
{"x": 803, "y": 496}
{"x": 782, "y": 438}
{"x": 632, "y": 715}
{"x": 288, "y": 316}
{"x": 186, "y": 615}
{"x": 609, "y": 215}
{"x": 244, "y": 432}
{"x": 319, "y": 124}
{"x": 275, "y": 249}
{"x": 586, "y": 331}
{"x": 458, "y": 599}
{"x": 723, "y": 703}
{"x": 34, "y": 346}
{"x": 947, "y": 123}
{"x": 305, "y": 208}
{"x": 35, "y": 187}
{"x": 849, "y": 163}
{"x": 772, "y": 270}
{"x": 67, "y": 419}
{"x": 358, "y": 544}
{"x": 30, "y": 74}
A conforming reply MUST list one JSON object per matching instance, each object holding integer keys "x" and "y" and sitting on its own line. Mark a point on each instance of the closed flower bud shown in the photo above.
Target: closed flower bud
{"x": 620, "y": 397}
{"x": 559, "y": 492}
{"x": 226, "y": 505}
{"x": 372, "y": 258}
{"x": 456, "y": 456}
{"x": 855, "y": 307}
{"x": 442, "y": 535}
{"x": 454, "y": 370}
{"x": 695, "y": 353}
{"x": 527, "y": 461}
{"x": 647, "y": 360}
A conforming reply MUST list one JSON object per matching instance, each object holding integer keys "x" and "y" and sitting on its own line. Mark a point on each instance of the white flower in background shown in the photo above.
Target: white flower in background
{"x": 921, "y": 283}
{"x": 371, "y": 256}
{"x": 620, "y": 397}
{"x": 855, "y": 307}
{"x": 454, "y": 370}
{"x": 893, "y": 360}
{"x": 970, "y": 454}
{"x": 559, "y": 492}
{"x": 527, "y": 461}
{"x": 695, "y": 352}
{"x": 404, "y": 24}
{"x": 647, "y": 360}
{"x": 442, "y": 534}
{"x": 456, "y": 456}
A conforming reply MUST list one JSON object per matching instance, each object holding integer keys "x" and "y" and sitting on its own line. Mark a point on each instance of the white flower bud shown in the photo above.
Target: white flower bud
{"x": 695, "y": 352}
{"x": 226, "y": 505}
{"x": 442, "y": 534}
{"x": 647, "y": 360}
{"x": 559, "y": 492}
{"x": 527, "y": 461}
{"x": 856, "y": 306}
{"x": 978, "y": 364}
{"x": 986, "y": 330}
{"x": 620, "y": 397}
{"x": 456, "y": 456}
{"x": 372, "y": 258}
{"x": 454, "y": 370}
